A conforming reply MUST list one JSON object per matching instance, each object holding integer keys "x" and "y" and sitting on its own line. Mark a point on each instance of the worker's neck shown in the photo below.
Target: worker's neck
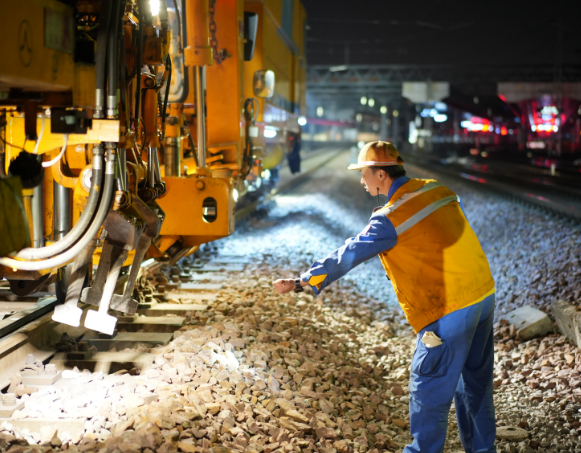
{"x": 385, "y": 185}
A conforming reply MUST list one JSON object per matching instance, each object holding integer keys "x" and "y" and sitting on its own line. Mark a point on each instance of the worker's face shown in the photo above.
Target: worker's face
{"x": 372, "y": 181}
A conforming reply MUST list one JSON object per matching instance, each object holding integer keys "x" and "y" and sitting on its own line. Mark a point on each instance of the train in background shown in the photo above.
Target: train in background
{"x": 130, "y": 128}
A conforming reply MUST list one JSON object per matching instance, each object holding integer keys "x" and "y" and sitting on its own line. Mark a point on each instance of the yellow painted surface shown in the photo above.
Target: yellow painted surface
{"x": 225, "y": 92}
{"x": 26, "y": 63}
{"x": 228, "y": 85}
{"x": 102, "y": 131}
{"x": 80, "y": 196}
{"x": 277, "y": 56}
{"x": 160, "y": 245}
{"x": 257, "y": 62}
{"x": 197, "y": 51}
{"x": 78, "y": 157}
{"x": 183, "y": 207}
{"x": 288, "y": 63}
{"x": 48, "y": 201}
{"x": 58, "y": 172}
{"x": 84, "y": 89}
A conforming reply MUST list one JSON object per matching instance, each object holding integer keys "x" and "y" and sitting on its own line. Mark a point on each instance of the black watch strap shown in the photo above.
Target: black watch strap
{"x": 298, "y": 287}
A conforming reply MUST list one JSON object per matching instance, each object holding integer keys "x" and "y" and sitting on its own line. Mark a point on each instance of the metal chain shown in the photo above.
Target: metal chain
{"x": 219, "y": 55}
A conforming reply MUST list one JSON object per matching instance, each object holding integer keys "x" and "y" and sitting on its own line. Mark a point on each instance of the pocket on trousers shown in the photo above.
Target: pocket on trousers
{"x": 430, "y": 362}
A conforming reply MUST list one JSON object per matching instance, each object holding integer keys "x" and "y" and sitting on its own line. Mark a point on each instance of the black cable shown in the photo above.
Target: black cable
{"x": 255, "y": 101}
{"x": 252, "y": 102}
{"x": 144, "y": 135}
{"x": 101, "y": 54}
{"x": 10, "y": 144}
{"x": 166, "y": 97}
{"x": 139, "y": 63}
{"x": 3, "y": 150}
{"x": 113, "y": 49}
{"x": 123, "y": 71}
{"x": 179, "y": 21}
{"x": 193, "y": 150}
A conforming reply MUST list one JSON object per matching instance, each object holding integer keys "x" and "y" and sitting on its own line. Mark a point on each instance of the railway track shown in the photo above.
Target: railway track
{"x": 172, "y": 297}
{"x": 183, "y": 305}
{"x": 547, "y": 193}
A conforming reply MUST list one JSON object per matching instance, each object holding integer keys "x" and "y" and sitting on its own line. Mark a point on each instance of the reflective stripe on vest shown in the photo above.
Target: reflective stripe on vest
{"x": 420, "y": 215}
{"x": 411, "y": 195}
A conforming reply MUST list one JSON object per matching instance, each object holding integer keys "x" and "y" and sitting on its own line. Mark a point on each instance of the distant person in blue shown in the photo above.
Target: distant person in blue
{"x": 294, "y": 155}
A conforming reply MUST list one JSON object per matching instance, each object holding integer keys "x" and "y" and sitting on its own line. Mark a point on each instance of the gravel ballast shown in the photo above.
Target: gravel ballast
{"x": 258, "y": 372}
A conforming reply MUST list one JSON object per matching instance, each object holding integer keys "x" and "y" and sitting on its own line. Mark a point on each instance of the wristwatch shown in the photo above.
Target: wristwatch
{"x": 298, "y": 287}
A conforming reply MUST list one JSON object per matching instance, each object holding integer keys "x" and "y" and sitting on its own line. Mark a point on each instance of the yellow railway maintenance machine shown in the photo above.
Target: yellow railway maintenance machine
{"x": 128, "y": 130}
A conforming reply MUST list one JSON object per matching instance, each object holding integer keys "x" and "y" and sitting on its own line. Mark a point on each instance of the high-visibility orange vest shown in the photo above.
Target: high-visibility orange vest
{"x": 437, "y": 265}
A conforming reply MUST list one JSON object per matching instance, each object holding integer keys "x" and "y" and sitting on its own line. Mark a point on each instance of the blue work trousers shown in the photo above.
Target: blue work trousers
{"x": 460, "y": 368}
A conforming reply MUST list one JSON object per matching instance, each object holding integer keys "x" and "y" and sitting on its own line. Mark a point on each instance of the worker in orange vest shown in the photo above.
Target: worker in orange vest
{"x": 443, "y": 282}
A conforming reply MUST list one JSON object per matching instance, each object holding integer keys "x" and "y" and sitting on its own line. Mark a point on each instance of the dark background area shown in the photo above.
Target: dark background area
{"x": 443, "y": 32}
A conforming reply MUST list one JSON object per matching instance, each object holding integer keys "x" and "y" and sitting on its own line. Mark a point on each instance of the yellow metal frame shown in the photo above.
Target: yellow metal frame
{"x": 183, "y": 209}
{"x": 26, "y": 61}
{"x": 102, "y": 131}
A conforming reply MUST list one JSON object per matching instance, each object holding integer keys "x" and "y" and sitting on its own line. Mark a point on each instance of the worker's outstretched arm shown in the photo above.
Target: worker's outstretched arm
{"x": 377, "y": 237}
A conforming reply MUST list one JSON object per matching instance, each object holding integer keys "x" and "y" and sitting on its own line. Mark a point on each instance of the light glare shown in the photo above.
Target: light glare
{"x": 383, "y": 109}
{"x": 302, "y": 121}
{"x": 363, "y": 100}
{"x": 269, "y": 132}
{"x": 154, "y": 6}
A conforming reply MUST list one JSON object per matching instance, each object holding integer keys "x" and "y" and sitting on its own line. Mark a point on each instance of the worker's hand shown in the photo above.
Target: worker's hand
{"x": 284, "y": 285}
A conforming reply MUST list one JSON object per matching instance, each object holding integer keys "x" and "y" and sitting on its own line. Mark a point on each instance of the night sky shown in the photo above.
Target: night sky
{"x": 443, "y": 32}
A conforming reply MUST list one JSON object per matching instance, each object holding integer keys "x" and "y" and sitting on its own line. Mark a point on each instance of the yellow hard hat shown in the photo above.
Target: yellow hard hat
{"x": 377, "y": 154}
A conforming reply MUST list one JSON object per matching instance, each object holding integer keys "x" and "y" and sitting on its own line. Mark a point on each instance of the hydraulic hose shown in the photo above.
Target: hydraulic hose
{"x": 180, "y": 29}
{"x": 83, "y": 222}
{"x": 167, "y": 88}
{"x": 101, "y": 57}
{"x": 122, "y": 74}
{"x": 139, "y": 62}
{"x": 113, "y": 59}
{"x": 70, "y": 254}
